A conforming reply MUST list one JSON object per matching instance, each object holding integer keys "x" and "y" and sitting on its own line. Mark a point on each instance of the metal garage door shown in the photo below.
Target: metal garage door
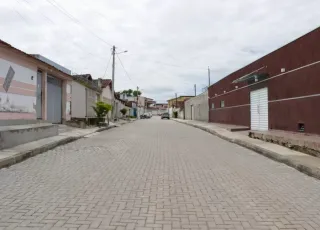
{"x": 259, "y": 109}
{"x": 54, "y": 101}
{"x": 39, "y": 96}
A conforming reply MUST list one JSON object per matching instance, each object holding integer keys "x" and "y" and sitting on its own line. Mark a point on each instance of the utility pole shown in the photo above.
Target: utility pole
{"x": 138, "y": 116}
{"x": 195, "y": 90}
{"x": 176, "y": 101}
{"x": 209, "y": 76}
{"x": 112, "y": 90}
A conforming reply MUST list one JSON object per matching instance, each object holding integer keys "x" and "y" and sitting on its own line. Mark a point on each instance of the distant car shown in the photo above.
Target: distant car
{"x": 165, "y": 115}
{"x": 145, "y": 116}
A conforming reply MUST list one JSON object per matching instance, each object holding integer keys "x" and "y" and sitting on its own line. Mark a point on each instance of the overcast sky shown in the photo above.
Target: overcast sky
{"x": 170, "y": 43}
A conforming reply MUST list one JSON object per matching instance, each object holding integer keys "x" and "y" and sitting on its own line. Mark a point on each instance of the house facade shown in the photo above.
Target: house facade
{"x": 106, "y": 87}
{"x": 85, "y": 94}
{"x": 278, "y": 91}
{"x": 177, "y": 105}
{"x": 178, "y": 102}
{"x": 197, "y": 108}
{"x": 141, "y": 104}
{"x": 31, "y": 88}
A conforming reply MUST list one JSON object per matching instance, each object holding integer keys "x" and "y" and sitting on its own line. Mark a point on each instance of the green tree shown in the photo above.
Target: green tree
{"x": 129, "y": 92}
{"x": 102, "y": 109}
{"x": 123, "y": 111}
{"x": 136, "y": 93}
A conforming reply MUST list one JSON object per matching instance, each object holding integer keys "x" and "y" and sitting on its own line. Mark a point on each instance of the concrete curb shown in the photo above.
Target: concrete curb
{"x": 23, "y": 155}
{"x": 294, "y": 163}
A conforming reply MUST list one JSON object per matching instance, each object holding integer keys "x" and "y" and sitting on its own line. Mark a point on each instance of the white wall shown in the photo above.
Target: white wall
{"x": 78, "y": 100}
{"x": 181, "y": 114}
{"x": 107, "y": 95}
{"x": 200, "y": 107}
{"x": 120, "y": 106}
{"x": 92, "y": 98}
{"x": 21, "y": 95}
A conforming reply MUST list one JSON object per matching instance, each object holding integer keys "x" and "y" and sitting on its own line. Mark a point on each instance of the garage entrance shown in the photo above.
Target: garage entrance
{"x": 259, "y": 109}
{"x": 54, "y": 100}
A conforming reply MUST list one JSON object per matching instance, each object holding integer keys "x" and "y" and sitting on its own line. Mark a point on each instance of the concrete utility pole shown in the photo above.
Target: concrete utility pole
{"x": 176, "y": 101}
{"x": 195, "y": 90}
{"x": 112, "y": 91}
{"x": 138, "y": 116}
{"x": 209, "y": 76}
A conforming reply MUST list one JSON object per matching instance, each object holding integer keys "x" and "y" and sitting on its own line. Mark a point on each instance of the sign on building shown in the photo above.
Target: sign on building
{"x": 8, "y": 79}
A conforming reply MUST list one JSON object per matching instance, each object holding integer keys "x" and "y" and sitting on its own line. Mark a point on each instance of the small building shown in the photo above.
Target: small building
{"x": 106, "y": 86}
{"x": 157, "y": 108}
{"x": 85, "y": 94}
{"x": 278, "y": 91}
{"x": 197, "y": 108}
{"x": 141, "y": 104}
{"x": 33, "y": 88}
{"x": 161, "y": 106}
{"x": 178, "y": 102}
{"x": 177, "y": 105}
{"x": 119, "y": 105}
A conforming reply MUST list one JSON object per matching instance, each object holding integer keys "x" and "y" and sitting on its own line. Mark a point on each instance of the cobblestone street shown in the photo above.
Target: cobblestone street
{"x": 156, "y": 174}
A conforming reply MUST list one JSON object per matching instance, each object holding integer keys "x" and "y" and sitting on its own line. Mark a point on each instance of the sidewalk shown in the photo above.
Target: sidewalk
{"x": 66, "y": 134}
{"x": 305, "y": 163}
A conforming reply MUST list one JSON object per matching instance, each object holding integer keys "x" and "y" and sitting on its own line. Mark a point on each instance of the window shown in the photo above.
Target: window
{"x": 221, "y": 104}
{"x": 212, "y": 106}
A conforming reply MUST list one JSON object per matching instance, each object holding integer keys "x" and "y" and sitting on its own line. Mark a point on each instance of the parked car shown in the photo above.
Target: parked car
{"x": 145, "y": 116}
{"x": 165, "y": 115}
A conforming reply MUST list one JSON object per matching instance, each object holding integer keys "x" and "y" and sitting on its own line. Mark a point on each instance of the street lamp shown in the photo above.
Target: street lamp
{"x": 122, "y": 52}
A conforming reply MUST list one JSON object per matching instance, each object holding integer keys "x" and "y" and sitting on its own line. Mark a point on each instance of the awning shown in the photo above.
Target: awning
{"x": 251, "y": 76}
{"x": 254, "y": 77}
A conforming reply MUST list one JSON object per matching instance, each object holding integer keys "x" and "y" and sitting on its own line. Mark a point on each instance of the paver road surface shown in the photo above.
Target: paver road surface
{"x": 156, "y": 174}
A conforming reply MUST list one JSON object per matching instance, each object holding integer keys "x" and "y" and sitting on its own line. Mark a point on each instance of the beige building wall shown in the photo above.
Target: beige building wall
{"x": 78, "y": 100}
{"x": 197, "y": 108}
{"x": 107, "y": 95}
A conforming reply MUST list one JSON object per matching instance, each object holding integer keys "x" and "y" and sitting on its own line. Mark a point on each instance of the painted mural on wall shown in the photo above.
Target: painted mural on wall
{"x": 17, "y": 88}
{"x": 16, "y": 103}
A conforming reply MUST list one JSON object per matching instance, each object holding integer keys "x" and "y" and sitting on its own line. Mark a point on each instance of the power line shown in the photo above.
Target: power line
{"x": 75, "y": 44}
{"x": 20, "y": 15}
{"x": 75, "y": 20}
{"x": 124, "y": 68}
{"x": 27, "y": 2}
{"x": 104, "y": 75}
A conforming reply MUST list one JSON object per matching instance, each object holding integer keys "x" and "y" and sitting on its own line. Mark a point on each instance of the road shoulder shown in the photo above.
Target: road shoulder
{"x": 304, "y": 163}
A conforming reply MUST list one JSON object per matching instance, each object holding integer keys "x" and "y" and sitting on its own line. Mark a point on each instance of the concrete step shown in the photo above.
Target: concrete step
{"x": 14, "y": 135}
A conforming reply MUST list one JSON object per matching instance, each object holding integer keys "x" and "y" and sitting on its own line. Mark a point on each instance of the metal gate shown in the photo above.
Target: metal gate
{"x": 39, "y": 96}
{"x": 259, "y": 109}
{"x": 54, "y": 100}
{"x": 192, "y": 112}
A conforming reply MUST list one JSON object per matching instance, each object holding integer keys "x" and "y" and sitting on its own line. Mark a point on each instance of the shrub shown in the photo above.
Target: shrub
{"x": 123, "y": 111}
{"x": 175, "y": 114}
{"x": 102, "y": 109}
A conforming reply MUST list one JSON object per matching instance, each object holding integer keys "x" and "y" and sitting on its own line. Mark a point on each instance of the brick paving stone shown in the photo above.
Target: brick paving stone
{"x": 152, "y": 175}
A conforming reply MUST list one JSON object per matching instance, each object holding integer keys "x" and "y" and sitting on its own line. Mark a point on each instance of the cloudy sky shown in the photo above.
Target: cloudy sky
{"x": 170, "y": 43}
